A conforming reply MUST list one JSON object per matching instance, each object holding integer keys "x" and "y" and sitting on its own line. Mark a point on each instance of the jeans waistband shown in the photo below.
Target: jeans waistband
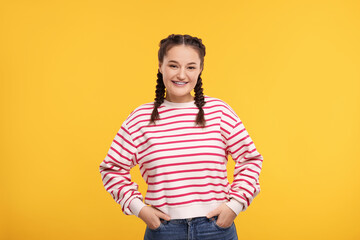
{"x": 187, "y": 220}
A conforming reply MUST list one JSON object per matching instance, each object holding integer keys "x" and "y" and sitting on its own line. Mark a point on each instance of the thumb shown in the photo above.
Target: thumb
{"x": 163, "y": 215}
{"x": 214, "y": 212}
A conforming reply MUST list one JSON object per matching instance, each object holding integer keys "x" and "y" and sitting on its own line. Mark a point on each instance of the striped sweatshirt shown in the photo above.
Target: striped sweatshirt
{"x": 183, "y": 164}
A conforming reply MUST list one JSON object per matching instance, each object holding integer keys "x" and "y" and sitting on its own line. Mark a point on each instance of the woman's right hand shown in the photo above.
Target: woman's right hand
{"x": 151, "y": 216}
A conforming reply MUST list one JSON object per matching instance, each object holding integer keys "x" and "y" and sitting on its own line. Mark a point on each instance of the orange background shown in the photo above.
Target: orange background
{"x": 72, "y": 71}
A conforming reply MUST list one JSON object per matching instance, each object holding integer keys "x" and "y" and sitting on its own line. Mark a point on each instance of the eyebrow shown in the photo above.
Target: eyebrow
{"x": 177, "y": 62}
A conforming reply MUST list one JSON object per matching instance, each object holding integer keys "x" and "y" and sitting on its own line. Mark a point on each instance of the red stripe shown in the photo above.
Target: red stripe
{"x": 184, "y": 171}
{"x": 248, "y": 169}
{"x": 186, "y": 186}
{"x": 206, "y": 115}
{"x": 181, "y": 163}
{"x": 224, "y": 121}
{"x": 117, "y": 173}
{"x": 115, "y": 161}
{"x": 174, "y": 129}
{"x": 243, "y": 180}
{"x": 254, "y": 156}
{"x": 119, "y": 154}
{"x": 122, "y": 146}
{"x": 235, "y": 194}
{"x": 247, "y": 199}
{"x": 229, "y": 116}
{"x": 196, "y": 200}
{"x": 189, "y": 178}
{"x": 177, "y": 135}
{"x": 182, "y": 148}
{"x": 246, "y": 164}
{"x": 242, "y": 146}
{"x": 251, "y": 193}
{"x": 124, "y": 194}
{"x": 185, "y": 194}
{"x": 236, "y": 125}
{"x": 235, "y": 186}
{"x": 124, "y": 185}
{"x": 133, "y": 194}
{"x": 223, "y": 104}
{"x": 239, "y": 141}
{"x": 147, "y": 116}
{"x": 128, "y": 134}
{"x": 240, "y": 155}
{"x": 245, "y": 175}
{"x": 244, "y": 197}
{"x": 150, "y": 106}
{"x": 252, "y": 159}
{"x": 181, "y": 156}
{"x": 146, "y": 106}
{"x": 111, "y": 186}
{"x": 170, "y": 123}
{"x": 190, "y": 140}
{"x": 224, "y": 130}
{"x": 105, "y": 166}
{"x": 108, "y": 181}
{"x": 237, "y": 133}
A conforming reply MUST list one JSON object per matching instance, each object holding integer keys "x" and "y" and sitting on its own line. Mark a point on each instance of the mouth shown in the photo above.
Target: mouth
{"x": 179, "y": 83}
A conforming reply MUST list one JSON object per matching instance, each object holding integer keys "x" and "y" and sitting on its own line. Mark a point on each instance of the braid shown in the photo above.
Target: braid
{"x": 159, "y": 99}
{"x": 199, "y": 102}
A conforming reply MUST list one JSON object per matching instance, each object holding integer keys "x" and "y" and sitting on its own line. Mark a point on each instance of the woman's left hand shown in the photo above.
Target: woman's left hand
{"x": 226, "y": 216}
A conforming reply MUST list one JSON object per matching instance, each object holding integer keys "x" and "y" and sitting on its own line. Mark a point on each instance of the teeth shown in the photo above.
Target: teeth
{"x": 181, "y": 83}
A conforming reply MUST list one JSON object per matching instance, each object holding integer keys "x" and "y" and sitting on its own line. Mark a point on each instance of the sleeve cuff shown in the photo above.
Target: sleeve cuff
{"x": 236, "y": 206}
{"x": 136, "y": 205}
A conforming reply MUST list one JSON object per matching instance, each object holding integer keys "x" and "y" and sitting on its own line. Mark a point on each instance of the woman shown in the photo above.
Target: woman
{"x": 181, "y": 144}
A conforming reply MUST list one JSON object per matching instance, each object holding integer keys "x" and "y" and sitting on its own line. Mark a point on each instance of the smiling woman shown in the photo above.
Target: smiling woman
{"x": 181, "y": 60}
{"x": 181, "y": 144}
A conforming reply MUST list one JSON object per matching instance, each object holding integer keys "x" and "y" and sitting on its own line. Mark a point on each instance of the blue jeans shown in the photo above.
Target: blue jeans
{"x": 199, "y": 228}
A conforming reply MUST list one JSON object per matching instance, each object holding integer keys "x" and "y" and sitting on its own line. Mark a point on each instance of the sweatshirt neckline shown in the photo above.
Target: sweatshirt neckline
{"x": 179, "y": 104}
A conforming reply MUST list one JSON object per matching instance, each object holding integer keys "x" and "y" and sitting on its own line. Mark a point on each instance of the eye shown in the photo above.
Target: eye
{"x": 172, "y": 65}
{"x": 192, "y": 67}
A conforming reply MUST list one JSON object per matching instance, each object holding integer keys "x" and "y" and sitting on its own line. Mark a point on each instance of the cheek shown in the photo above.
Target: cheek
{"x": 194, "y": 78}
{"x": 167, "y": 75}
{"x": 193, "y": 83}
{"x": 167, "y": 82}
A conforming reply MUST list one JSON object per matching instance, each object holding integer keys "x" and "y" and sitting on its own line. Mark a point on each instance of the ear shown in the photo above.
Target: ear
{"x": 160, "y": 67}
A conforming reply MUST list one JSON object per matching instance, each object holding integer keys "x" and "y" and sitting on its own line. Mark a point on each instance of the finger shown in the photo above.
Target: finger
{"x": 155, "y": 223}
{"x": 214, "y": 212}
{"x": 162, "y": 215}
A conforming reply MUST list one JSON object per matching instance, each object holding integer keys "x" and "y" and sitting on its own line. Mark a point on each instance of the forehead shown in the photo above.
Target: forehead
{"x": 182, "y": 54}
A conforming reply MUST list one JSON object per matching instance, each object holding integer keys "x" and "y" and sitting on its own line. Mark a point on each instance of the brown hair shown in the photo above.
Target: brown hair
{"x": 165, "y": 45}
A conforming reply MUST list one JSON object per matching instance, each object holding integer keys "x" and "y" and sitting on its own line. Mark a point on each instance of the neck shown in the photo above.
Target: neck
{"x": 180, "y": 99}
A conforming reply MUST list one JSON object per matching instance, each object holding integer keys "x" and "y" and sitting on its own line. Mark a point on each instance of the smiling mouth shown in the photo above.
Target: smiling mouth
{"x": 179, "y": 83}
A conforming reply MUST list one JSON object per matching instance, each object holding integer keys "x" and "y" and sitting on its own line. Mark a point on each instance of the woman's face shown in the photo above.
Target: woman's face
{"x": 180, "y": 70}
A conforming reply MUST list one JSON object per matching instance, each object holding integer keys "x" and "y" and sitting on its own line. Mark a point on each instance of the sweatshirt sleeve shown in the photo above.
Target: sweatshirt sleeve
{"x": 115, "y": 172}
{"x": 248, "y": 163}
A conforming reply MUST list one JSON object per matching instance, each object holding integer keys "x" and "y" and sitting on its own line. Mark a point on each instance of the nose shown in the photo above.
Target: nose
{"x": 181, "y": 74}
